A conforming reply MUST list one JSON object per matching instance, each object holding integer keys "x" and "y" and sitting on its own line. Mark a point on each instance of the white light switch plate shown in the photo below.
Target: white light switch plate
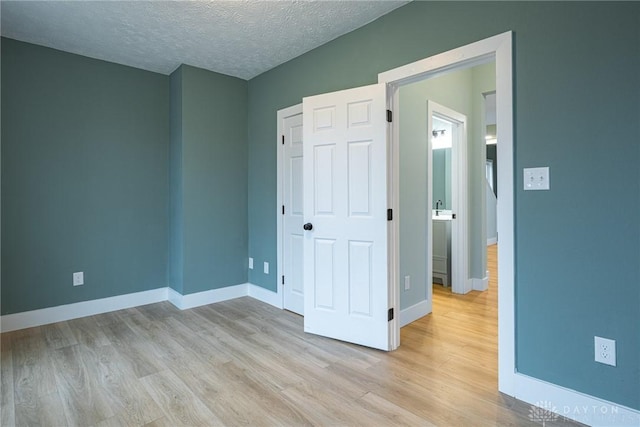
{"x": 536, "y": 178}
{"x": 250, "y": 263}
{"x": 266, "y": 268}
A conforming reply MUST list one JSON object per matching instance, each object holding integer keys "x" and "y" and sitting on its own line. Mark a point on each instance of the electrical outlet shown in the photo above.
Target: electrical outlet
{"x": 605, "y": 351}
{"x": 78, "y": 278}
{"x": 407, "y": 283}
{"x": 266, "y": 268}
{"x": 250, "y": 263}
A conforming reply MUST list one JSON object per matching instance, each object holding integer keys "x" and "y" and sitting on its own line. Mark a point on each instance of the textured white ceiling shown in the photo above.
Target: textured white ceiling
{"x": 238, "y": 38}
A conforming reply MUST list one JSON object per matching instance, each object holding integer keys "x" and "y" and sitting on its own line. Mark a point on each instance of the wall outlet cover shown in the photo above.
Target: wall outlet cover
{"x": 78, "y": 278}
{"x": 250, "y": 263}
{"x": 605, "y": 351}
{"x": 266, "y": 268}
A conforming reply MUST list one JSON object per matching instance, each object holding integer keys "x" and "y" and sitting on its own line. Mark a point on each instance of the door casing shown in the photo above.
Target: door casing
{"x": 499, "y": 49}
{"x": 281, "y": 116}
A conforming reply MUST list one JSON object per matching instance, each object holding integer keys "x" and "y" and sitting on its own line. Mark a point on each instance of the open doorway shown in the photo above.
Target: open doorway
{"x": 442, "y": 214}
{"x": 498, "y": 49}
{"x": 447, "y": 189}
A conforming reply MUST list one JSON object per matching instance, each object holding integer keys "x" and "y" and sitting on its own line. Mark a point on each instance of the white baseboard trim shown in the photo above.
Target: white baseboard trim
{"x": 413, "y": 313}
{"x": 174, "y": 297}
{"x": 264, "y": 295}
{"x": 492, "y": 240}
{"x": 572, "y": 404}
{"x": 480, "y": 284}
{"x": 184, "y": 302}
{"x": 44, "y": 316}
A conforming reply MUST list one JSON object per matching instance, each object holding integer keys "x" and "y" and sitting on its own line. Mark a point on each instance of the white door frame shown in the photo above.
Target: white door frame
{"x": 281, "y": 116}
{"x": 498, "y": 48}
{"x": 459, "y": 279}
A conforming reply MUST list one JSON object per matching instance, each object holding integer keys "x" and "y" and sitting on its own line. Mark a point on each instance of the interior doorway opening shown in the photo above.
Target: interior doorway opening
{"x": 441, "y": 168}
{"x": 498, "y": 49}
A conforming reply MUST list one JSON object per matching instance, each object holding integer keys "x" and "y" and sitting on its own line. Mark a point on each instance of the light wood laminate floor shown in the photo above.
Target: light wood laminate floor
{"x": 242, "y": 362}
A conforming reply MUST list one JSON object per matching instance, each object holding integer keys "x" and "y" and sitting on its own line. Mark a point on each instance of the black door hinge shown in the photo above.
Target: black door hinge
{"x": 389, "y": 214}
{"x": 390, "y": 315}
{"x": 283, "y": 280}
{"x": 282, "y": 139}
{"x": 282, "y": 209}
{"x": 389, "y": 116}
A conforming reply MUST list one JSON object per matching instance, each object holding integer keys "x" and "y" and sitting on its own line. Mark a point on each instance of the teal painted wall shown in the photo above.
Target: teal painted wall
{"x": 577, "y": 72}
{"x": 176, "y": 212}
{"x": 209, "y": 180}
{"x": 578, "y": 272}
{"x": 84, "y": 178}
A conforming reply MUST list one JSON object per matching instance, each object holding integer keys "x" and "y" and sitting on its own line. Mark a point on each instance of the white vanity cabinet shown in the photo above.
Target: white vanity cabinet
{"x": 442, "y": 250}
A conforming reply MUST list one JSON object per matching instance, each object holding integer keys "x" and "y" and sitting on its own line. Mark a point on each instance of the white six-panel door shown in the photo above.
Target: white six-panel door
{"x": 292, "y": 211}
{"x": 346, "y": 293}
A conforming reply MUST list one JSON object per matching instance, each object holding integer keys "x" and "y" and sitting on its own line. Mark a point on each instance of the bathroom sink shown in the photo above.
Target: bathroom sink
{"x": 442, "y": 216}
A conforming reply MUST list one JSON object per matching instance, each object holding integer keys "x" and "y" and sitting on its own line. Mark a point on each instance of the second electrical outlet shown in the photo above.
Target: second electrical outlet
{"x": 78, "y": 278}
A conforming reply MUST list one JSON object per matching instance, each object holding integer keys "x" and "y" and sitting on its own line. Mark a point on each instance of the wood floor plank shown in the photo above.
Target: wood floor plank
{"x": 58, "y": 335}
{"x": 158, "y": 311}
{"x": 237, "y": 397}
{"x": 216, "y": 318}
{"x": 7, "y": 404}
{"x": 206, "y": 351}
{"x": 269, "y": 337}
{"x": 47, "y": 410}
{"x": 178, "y": 403}
{"x": 116, "y": 378}
{"x": 405, "y": 392}
{"x": 32, "y": 368}
{"x": 157, "y": 341}
{"x": 133, "y": 347}
{"x": 87, "y": 331}
{"x": 82, "y": 398}
{"x": 7, "y": 415}
{"x": 160, "y": 422}
{"x": 193, "y": 321}
{"x": 391, "y": 414}
{"x": 320, "y": 406}
{"x": 250, "y": 356}
{"x": 118, "y": 420}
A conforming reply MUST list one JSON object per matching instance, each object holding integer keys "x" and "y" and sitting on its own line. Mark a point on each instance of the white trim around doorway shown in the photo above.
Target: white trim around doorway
{"x": 281, "y": 115}
{"x": 498, "y": 48}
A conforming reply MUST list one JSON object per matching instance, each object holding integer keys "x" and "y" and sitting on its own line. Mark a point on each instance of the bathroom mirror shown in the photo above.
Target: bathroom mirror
{"x": 441, "y": 151}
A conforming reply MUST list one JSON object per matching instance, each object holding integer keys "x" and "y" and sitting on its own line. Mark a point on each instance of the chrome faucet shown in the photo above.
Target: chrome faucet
{"x": 439, "y": 202}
